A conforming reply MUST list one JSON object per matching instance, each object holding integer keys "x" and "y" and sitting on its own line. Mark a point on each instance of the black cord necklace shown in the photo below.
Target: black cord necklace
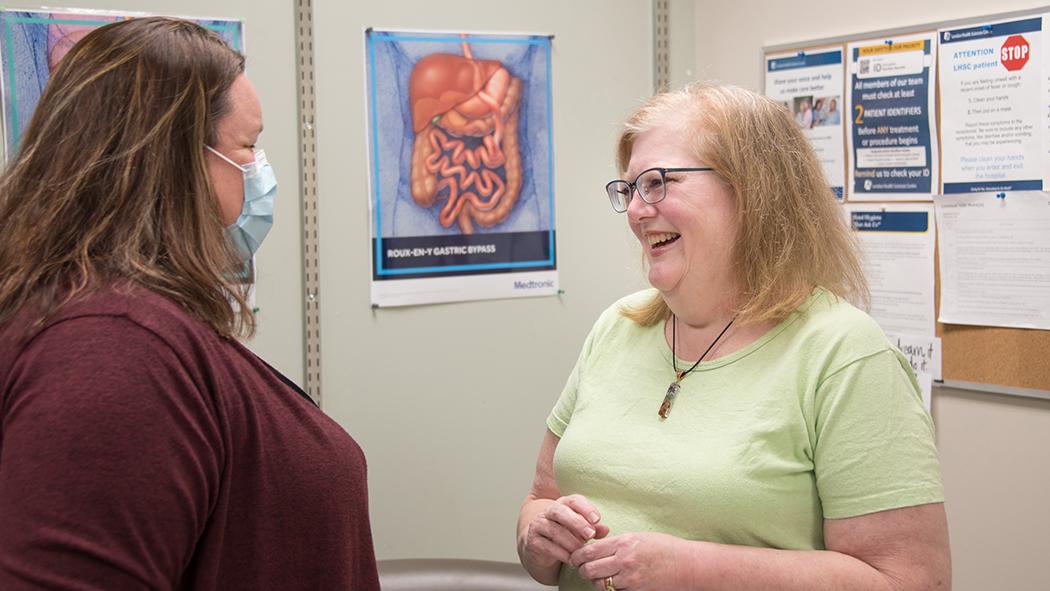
{"x": 672, "y": 390}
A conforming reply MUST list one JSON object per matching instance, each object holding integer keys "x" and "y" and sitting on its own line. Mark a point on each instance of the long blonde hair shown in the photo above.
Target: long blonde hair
{"x": 110, "y": 184}
{"x": 792, "y": 235}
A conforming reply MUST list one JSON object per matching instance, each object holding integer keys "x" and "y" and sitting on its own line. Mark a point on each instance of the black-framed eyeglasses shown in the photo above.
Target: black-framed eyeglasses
{"x": 651, "y": 185}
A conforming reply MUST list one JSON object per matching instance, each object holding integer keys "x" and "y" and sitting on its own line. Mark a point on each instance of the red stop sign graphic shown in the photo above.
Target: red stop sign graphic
{"x": 1014, "y": 53}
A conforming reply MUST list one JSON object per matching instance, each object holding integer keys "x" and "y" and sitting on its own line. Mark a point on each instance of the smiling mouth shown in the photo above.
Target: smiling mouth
{"x": 661, "y": 239}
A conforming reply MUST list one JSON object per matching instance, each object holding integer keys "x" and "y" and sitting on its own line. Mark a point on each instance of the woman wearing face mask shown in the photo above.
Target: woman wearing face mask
{"x": 740, "y": 425}
{"x": 143, "y": 447}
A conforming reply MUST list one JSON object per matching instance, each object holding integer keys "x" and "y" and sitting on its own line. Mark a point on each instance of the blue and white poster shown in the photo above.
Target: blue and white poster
{"x": 995, "y": 110}
{"x": 461, "y": 166}
{"x": 809, "y": 84}
{"x": 897, "y": 247}
{"x": 892, "y": 119}
{"x": 33, "y": 43}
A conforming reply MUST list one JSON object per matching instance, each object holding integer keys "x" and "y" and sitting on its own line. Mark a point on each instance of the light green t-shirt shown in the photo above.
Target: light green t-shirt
{"x": 819, "y": 418}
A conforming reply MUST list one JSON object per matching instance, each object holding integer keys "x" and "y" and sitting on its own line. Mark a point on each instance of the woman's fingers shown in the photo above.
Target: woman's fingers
{"x": 558, "y": 534}
{"x": 571, "y": 519}
{"x": 584, "y": 507}
{"x": 594, "y": 552}
{"x": 564, "y": 527}
{"x": 545, "y": 547}
{"x": 596, "y": 570}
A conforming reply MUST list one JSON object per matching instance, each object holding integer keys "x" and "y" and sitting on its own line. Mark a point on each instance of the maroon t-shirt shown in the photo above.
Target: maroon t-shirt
{"x": 139, "y": 450}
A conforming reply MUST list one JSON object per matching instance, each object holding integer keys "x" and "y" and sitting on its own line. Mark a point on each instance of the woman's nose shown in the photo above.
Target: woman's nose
{"x": 638, "y": 208}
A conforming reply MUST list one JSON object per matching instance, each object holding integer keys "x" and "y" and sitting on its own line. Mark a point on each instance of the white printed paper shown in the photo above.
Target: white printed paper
{"x": 995, "y": 258}
{"x": 897, "y": 246}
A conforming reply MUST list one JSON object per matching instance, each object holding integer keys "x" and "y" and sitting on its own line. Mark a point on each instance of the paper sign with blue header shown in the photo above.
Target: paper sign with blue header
{"x": 892, "y": 118}
{"x": 995, "y": 107}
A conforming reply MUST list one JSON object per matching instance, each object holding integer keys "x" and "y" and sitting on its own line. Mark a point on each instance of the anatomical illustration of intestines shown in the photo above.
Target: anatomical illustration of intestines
{"x": 466, "y": 151}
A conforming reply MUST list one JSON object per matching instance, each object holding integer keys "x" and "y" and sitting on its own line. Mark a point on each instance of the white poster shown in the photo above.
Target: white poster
{"x": 924, "y": 355}
{"x": 809, "y": 85}
{"x": 891, "y": 128}
{"x": 994, "y": 108}
{"x": 462, "y": 166}
{"x": 995, "y": 258}
{"x": 897, "y": 245}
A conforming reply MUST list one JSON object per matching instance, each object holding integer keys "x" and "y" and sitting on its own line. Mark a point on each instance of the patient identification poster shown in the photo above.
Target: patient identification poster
{"x": 892, "y": 119}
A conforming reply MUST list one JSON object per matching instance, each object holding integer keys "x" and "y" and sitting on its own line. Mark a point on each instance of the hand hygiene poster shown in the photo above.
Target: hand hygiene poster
{"x": 897, "y": 245}
{"x": 892, "y": 147}
{"x": 461, "y": 171}
{"x": 809, "y": 85}
{"x": 995, "y": 110}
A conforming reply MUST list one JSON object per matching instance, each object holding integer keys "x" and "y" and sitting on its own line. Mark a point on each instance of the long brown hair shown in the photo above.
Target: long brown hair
{"x": 793, "y": 236}
{"x": 110, "y": 183}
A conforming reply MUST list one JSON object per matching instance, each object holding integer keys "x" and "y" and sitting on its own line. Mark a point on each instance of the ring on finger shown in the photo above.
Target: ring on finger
{"x": 609, "y": 584}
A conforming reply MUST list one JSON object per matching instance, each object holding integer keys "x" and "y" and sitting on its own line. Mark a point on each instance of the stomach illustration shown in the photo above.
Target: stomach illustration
{"x": 466, "y": 157}
{"x": 61, "y": 37}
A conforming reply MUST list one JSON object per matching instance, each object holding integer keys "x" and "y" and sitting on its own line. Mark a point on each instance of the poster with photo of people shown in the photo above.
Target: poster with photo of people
{"x": 809, "y": 85}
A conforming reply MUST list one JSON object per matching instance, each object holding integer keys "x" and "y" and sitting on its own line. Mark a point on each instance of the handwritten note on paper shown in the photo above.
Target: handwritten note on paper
{"x": 924, "y": 355}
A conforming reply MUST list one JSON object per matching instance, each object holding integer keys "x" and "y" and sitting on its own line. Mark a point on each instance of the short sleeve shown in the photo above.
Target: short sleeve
{"x": 560, "y": 416}
{"x": 874, "y": 442}
{"x": 110, "y": 460}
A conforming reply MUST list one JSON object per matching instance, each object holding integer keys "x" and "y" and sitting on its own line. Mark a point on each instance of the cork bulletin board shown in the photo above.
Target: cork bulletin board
{"x": 987, "y": 358}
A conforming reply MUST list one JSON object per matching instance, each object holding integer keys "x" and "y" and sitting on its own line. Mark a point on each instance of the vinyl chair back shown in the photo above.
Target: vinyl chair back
{"x": 447, "y": 574}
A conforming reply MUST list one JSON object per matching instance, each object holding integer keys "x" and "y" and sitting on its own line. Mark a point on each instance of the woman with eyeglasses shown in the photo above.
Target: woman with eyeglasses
{"x": 740, "y": 425}
{"x": 141, "y": 445}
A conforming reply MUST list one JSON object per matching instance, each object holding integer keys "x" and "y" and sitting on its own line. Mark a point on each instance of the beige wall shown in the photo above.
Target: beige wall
{"x": 449, "y": 401}
{"x": 995, "y": 449}
{"x": 995, "y": 458}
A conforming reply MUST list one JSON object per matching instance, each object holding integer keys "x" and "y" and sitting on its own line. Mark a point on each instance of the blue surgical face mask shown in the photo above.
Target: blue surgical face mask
{"x": 260, "y": 191}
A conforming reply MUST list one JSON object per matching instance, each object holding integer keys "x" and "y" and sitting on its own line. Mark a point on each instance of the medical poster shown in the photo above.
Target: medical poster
{"x": 994, "y": 107}
{"x": 994, "y": 252}
{"x": 33, "y": 43}
{"x": 892, "y": 118}
{"x": 809, "y": 84}
{"x": 897, "y": 248}
{"x": 461, "y": 166}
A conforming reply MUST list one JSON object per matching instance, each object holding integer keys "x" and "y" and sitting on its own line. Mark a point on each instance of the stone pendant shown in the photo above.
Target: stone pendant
{"x": 672, "y": 393}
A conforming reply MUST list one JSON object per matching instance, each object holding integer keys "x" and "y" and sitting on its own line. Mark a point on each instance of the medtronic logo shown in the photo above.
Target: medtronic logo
{"x": 533, "y": 284}
{"x": 947, "y": 35}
